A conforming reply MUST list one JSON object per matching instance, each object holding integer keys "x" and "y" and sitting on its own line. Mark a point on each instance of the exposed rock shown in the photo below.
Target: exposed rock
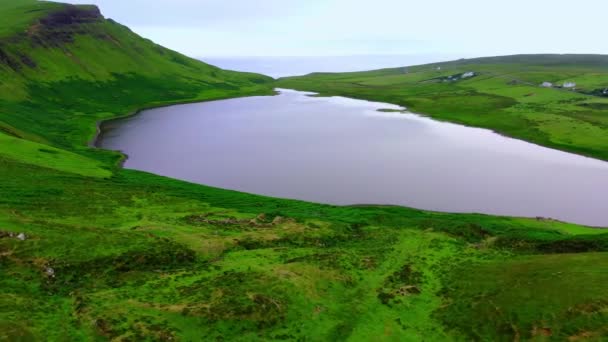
{"x": 71, "y": 15}
{"x": 468, "y": 74}
{"x": 12, "y": 235}
{"x": 261, "y": 217}
{"x": 50, "y": 272}
{"x": 408, "y": 290}
{"x": 548, "y": 219}
{"x": 8, "y": 60}
{"x": 28, "y": 61}
{"x": 260, "y": 221}
{"x": 61, "y": 26}
{"x": 457, "y": 77}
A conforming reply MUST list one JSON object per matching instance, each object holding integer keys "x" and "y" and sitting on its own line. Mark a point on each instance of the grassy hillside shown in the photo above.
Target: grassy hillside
{"x": 504, "y": 94}
{"x": 69, "y": 61}
{"x": 113, "y": 254}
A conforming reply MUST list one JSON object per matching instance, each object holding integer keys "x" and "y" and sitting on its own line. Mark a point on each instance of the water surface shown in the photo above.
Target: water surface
{"x": 344, "y": 151}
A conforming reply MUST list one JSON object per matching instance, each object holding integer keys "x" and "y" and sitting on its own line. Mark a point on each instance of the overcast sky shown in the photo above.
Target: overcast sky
{"x": 202, "y": 28}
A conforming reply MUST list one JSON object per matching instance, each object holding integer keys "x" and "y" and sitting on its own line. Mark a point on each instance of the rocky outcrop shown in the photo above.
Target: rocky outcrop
{"x": 71, "y": 15}
{"x": 60, "y": 27}
{"x": 260, "y": 221}
{"x": 49, "y": 272}
{"x": 8, "y": 60}
{"x": 19, "y": 236}
{"x": 51, "y": 31}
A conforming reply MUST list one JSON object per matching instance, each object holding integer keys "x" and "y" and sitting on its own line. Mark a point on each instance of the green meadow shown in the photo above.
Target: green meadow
{"x": 115, "y": 254}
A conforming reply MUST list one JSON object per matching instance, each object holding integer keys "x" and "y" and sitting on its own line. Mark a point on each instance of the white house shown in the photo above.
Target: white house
{"x": 468, "y": 74}
{"x": 547, "y": 85}
{"x": 438, "y": 68}
{"x": 569, "y": 85}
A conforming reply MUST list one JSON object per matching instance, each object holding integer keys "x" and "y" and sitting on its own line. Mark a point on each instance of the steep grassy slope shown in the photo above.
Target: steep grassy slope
{"x": 71, "y": 60}
{"x": 505, "y": 95}
{"x": 118, "y": 254}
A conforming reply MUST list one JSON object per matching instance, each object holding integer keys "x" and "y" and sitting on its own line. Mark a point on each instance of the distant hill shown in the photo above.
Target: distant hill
{"x": 559, "y": 60}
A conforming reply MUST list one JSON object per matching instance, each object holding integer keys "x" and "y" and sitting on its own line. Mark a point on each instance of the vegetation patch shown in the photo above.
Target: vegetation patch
{"x": 528, "y": 297}
{"x": 405, "y": 282}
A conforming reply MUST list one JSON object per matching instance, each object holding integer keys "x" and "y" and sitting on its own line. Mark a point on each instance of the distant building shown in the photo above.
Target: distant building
{"x": 569, "y": 85}
{"x": 438, "y": 68}
{"x": 468, "y": 74}
{"x": 547, "y": 85}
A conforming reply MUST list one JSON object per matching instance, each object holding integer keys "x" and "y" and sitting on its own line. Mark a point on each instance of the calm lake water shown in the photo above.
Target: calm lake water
{"x": 344, "y": 151}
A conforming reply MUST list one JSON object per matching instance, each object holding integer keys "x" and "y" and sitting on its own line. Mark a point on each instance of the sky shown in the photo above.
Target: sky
{"x": 467, "y": 28}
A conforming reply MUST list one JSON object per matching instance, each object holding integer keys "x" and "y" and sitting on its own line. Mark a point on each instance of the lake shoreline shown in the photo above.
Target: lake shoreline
{"x": 317, "y": 115}
{"x": 94, "y": 142}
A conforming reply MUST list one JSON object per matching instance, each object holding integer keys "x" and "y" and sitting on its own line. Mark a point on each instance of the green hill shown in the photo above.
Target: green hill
{"x": 90, "y": 251}
{"x": 505, "y": 94}
{"x": 64, "y": 59}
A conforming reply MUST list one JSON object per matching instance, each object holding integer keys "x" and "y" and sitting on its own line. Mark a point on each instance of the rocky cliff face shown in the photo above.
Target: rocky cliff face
{"x": 71, "y": 15}
{"x": 59, "y": 27}
{"x": 54, "y": 30}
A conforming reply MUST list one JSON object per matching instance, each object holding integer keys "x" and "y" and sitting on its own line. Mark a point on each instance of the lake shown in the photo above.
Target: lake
{"x": 344, "y": 151}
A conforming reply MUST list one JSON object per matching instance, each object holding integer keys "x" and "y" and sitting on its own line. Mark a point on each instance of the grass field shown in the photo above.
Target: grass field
{"x": 505, "y": 95}
{"x": 114, "y": 254}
